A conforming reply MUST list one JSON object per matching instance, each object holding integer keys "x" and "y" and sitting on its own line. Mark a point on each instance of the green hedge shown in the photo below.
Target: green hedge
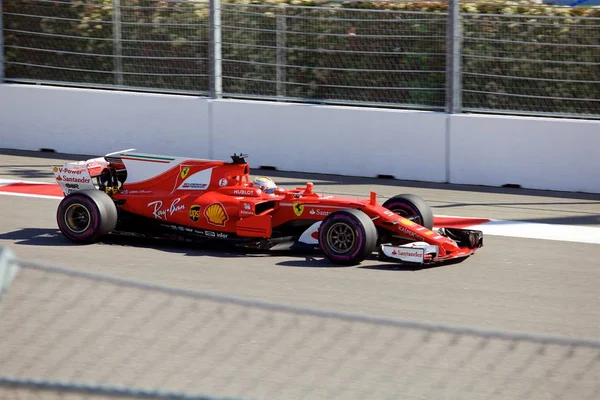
{"x": 350, "y": 54}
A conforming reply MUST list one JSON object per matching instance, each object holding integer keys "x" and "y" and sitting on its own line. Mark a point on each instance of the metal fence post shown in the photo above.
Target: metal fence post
{"x": 1, "y": 42}
{"x": 215, "y": 84}
{"x": 8, "y": 268}
{"x": 281, "y": 52}
{"x": 117, "y": 44}
{"x": 453, "y": 58}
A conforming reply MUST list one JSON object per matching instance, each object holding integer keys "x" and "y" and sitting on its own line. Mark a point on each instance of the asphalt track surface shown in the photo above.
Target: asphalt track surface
{"x": 511, "y": 284}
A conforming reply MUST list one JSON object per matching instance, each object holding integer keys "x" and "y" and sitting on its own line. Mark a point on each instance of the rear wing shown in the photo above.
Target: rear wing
{"x": 119, "y": 153}
{"x": 75, "y": 176}
{"x": 115, "y": 158}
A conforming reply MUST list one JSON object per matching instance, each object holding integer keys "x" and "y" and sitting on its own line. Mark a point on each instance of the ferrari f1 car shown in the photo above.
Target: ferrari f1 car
{"x": 131, "y": 193}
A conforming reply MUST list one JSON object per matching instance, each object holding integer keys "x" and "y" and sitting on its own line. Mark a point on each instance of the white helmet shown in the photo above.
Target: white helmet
{"x": 265, "y": 184}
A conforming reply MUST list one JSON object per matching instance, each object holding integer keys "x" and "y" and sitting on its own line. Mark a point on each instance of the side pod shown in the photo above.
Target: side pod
{"x": 255, "y": 226}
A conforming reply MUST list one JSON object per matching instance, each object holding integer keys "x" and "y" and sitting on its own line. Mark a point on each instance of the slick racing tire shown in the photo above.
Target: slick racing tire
{"x": 411, "y": 207}
{"x": 87, "y": 216}
{"x": 347, "y": 237}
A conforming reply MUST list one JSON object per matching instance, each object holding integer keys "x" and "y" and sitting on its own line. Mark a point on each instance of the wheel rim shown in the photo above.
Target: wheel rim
{"x": 77, "y": 218}
{"x": 341, "y": 238}
{"x": 411, "y": 217}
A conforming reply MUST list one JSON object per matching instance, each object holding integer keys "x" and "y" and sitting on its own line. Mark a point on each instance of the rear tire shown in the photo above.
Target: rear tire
{"x": 347, "y": 237}
{"x": 87, "y": 216}
{"x": 412, "y": 207}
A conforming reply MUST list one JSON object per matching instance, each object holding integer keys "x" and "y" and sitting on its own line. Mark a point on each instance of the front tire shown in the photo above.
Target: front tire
{"x": 412, "y": 207}
{"x": 347, "y": 237}
{"x": 87, "y": 216}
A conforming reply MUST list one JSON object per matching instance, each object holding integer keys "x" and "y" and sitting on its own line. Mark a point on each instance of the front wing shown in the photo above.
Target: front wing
{"x": 468, "y": 241}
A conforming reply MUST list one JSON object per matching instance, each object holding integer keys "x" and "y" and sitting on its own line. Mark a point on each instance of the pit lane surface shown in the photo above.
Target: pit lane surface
{"x": 514, "y": 284}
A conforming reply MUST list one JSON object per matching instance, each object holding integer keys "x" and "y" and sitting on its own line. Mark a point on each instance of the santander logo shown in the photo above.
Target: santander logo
{"x": 406, "y": 253}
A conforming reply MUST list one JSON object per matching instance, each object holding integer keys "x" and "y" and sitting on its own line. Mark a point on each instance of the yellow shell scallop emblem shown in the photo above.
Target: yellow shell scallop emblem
{"x": 215, "y": 214}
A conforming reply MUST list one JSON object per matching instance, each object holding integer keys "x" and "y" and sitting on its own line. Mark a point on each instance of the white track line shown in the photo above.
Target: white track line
{"x": 39, "y": 196}
{"x": 9, "y": 181}
{"x": 540, "y": 231}
{"x": 531, "y": 230}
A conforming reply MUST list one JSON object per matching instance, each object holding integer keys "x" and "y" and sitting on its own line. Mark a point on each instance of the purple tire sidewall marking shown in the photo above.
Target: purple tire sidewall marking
{"x": 359, "y": 231}
{"x": 94, "y": 215}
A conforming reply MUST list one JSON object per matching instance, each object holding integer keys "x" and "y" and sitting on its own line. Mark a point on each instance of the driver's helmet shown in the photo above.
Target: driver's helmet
{"x": 265, "y": 184}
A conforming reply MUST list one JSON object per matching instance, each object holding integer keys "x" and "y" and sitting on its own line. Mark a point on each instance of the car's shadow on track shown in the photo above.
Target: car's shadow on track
{"x": 320, "y": 262}
{"x": 391, "y": 266}
{"x": 36, "y": 237}
{"x": 216, "y": 249}
{"x": 300, "y": 258}
{"x": 54, "y": 238}
{"x": 309, "y": 261}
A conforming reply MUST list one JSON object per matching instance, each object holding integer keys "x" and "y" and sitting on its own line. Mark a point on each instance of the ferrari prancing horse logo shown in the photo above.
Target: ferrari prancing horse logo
{"x": 298, "y": 208}
{"x": 184, "y": 172}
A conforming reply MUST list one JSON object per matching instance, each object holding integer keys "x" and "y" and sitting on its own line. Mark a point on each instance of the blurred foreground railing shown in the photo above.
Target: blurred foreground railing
{"x": 497, "y": 56}
{"x": 66, "y": 333}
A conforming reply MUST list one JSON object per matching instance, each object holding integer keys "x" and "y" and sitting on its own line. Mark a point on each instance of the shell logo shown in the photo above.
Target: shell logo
{"x": 216, "y": 215}
{"x": 55, "y": 169}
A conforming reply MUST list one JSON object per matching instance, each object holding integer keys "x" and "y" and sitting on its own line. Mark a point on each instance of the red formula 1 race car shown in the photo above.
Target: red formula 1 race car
{"x": 136, "y": 194}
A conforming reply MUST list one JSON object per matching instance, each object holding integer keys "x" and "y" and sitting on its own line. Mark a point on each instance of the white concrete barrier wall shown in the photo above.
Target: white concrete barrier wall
{"x": 536, "y": 153}
{"x": 82, "y": 121}
{"x": 539, "y": 153}
{"x": 337, "y": 140}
